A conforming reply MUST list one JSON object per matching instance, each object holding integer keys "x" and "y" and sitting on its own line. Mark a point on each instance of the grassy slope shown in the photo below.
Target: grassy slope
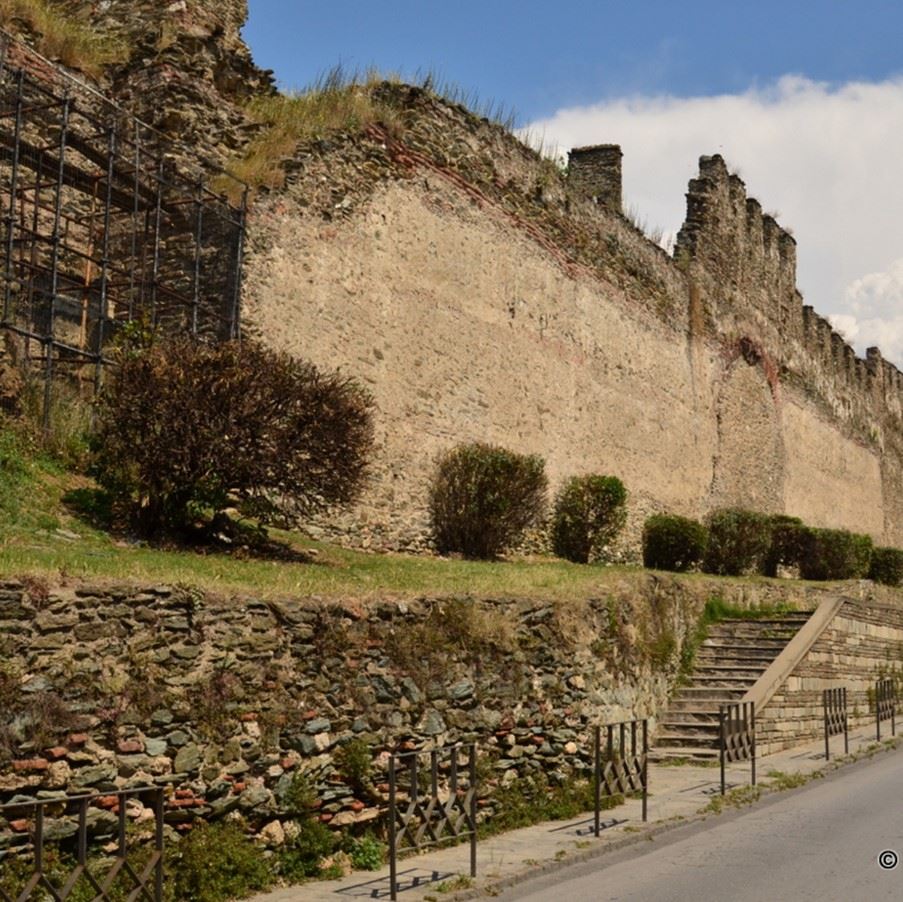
{"x": 33, "y": 514}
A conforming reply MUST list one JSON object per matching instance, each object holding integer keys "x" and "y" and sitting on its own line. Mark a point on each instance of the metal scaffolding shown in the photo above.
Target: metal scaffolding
{"x": 101, "y": 224}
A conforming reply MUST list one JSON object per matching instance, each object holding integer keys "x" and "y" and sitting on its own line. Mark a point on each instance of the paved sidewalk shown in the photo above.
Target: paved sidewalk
{"x": 677, "y": 795}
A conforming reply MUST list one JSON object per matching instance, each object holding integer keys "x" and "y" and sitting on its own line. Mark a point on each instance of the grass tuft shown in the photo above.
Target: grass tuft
{"x": 63, "y": 35}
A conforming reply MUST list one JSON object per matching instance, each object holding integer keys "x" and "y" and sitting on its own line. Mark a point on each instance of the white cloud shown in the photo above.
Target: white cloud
{"x": 826, "y": 159}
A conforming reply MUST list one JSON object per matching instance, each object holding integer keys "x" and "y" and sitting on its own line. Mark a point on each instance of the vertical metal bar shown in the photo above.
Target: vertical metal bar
{"x": 597, "y": 776}
{"x": 13, "y": 188}
{"x": 235, "y": 321}
{"x": 54, "y": 266}
{"x": 846, "y": 733}
{"x": 198, "y": 238}
{"x": 824, "y": 701}
{"x": 473, "y": 810}
{"x": 633, "y": 739}
{"x": 39, "y": 838}
{"x": 453, "y": 773}
{"x": 415, "y": 778}
{"x": 136, "y": 190}
{"x": 611, "y": 743}
{"x": 878, "y": 710}
{"x": 158, "y": 219}
{"x": 83, "y": 832}
{"x": 104, "y": 311}
{"x": 393, "y": 852}
{"x": 752, "y": 721}
{"x": 158, "y": 843}
{"x": 434, "y": 774}
{"x": 123, "y": 844}
{"x": 721, "y": 733}
{"x": 622, "y": 728}
{"x": 893, "y": 707}
{"x": 645, "y": 767}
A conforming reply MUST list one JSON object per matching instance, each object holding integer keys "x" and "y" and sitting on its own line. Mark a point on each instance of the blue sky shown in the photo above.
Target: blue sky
{"x": 541, "y": 56}
{"x": 804, "y": 99}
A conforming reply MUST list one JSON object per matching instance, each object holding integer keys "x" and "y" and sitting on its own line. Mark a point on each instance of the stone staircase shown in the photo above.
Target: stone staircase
{"x": 730, "y": 660}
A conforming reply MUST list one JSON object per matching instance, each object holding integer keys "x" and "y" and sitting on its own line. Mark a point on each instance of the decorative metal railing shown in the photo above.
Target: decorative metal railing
{"x": 737, "y": 736}
{"x": 624, "y": 767}
{"x": 433, "y": 804}
{"x": 835, "y": 707}
{"x": 82, "y": 863}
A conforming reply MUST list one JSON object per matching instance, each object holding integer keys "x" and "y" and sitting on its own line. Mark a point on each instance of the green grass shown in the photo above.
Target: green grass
{"x": 32, "y": 513}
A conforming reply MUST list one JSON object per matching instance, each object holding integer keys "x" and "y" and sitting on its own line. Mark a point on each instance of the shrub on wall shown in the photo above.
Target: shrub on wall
{"x": 483, "y": 498}
{"x": 834, "y": 554}
{"x": 186, "y": 428}
{"x": 887, "y": 566}
{"x": 738, "y": 541}
{"x": 589, "y": 512}
{"x": 788, "y": 536}
{"x": 673, "y": 543}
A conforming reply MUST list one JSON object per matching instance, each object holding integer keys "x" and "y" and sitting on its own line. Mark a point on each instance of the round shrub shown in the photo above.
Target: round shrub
{"x": 835, "y": 554}
{"x": 788, "y": 536}
{"x": 887, "y": 566}
{"x": 589, "y": 512}
{"x": 673, "y": 543}
{"x": 483, "y": 498}
{"x": 738, "y": 542}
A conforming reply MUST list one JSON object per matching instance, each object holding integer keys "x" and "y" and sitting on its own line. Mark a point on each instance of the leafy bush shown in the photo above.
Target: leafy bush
{"x": 788, "y": 536}
{"x": 589, "y": 512}
{"x": 834, "y": 554}
{"x": 215, "y": 863}
{"x": 673, "y": 543}
{"x": 887, "y": 566}
{"x": 354, "y": 762}
{"x": 186, "y": 427}
{"x": 367, "y": 853}
{"x": 738, "y": 541}
{"x": 303, "y": 856}
{"x": 483, "y": 498}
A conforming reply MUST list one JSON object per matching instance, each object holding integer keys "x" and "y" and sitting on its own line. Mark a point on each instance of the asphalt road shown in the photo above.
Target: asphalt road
{"x": 821, "y": 842}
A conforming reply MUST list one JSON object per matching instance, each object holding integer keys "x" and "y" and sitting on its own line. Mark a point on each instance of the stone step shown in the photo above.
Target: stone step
{"x": 758, "y": 644}
{"x": 715, "y": 670}
{"x": 715, "y": 694}
{"x": 725, "y": 679}
{"x": 691, "y": 716}
{"x": 690, "y": 752}
{"x": 672, "y": 739}
{"x": 739, "y": 658}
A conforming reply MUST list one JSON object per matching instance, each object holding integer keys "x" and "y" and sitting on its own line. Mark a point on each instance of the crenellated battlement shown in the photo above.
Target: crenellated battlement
{"x": 745, "y": 261}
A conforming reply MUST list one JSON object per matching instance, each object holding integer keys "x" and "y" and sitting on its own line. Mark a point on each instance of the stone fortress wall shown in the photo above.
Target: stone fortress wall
{"x": 473, "y": 314}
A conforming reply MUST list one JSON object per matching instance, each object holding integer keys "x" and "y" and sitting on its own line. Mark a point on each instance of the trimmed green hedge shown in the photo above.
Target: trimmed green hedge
{"x": 589, "y": 512}
{"x": 788, "y": 535}
{"x": 673, "y": 543}
{"x": 834, "y": 554}
{"x": 483, "y": 498}
{"x": 887, "y": 566}
{"x": 739, "y": 541}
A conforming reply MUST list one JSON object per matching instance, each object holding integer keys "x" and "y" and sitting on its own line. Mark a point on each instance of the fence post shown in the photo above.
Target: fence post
{"x": 878, "y": 711}
{"x": 846, "y": 727}
{"x": 824, "y": 701}
{"x": 393, "y": 852}
{"x": 645, "y": 767}
{"x": 752, "y": 728}
{"x": 473, "y": 810}
{"x": 597, "y": 777}
{"x": 722, "y": 742}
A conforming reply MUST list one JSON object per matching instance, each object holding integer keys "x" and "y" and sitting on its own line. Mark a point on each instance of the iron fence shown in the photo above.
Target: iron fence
{"x": 434, "y": 806}
{"x": 102, "y": 223}
{"x": 737, "y": 736}
{"x": 835, "y": 709}
{"x": 71, "y": 823}
{"x": 885, "y": 706}
{"x": 625, "y": 766}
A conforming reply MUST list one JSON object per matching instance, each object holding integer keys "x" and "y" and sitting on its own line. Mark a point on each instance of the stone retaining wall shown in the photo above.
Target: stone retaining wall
{"x": 864, "y": 643}
{"x": 226, "y": 701}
